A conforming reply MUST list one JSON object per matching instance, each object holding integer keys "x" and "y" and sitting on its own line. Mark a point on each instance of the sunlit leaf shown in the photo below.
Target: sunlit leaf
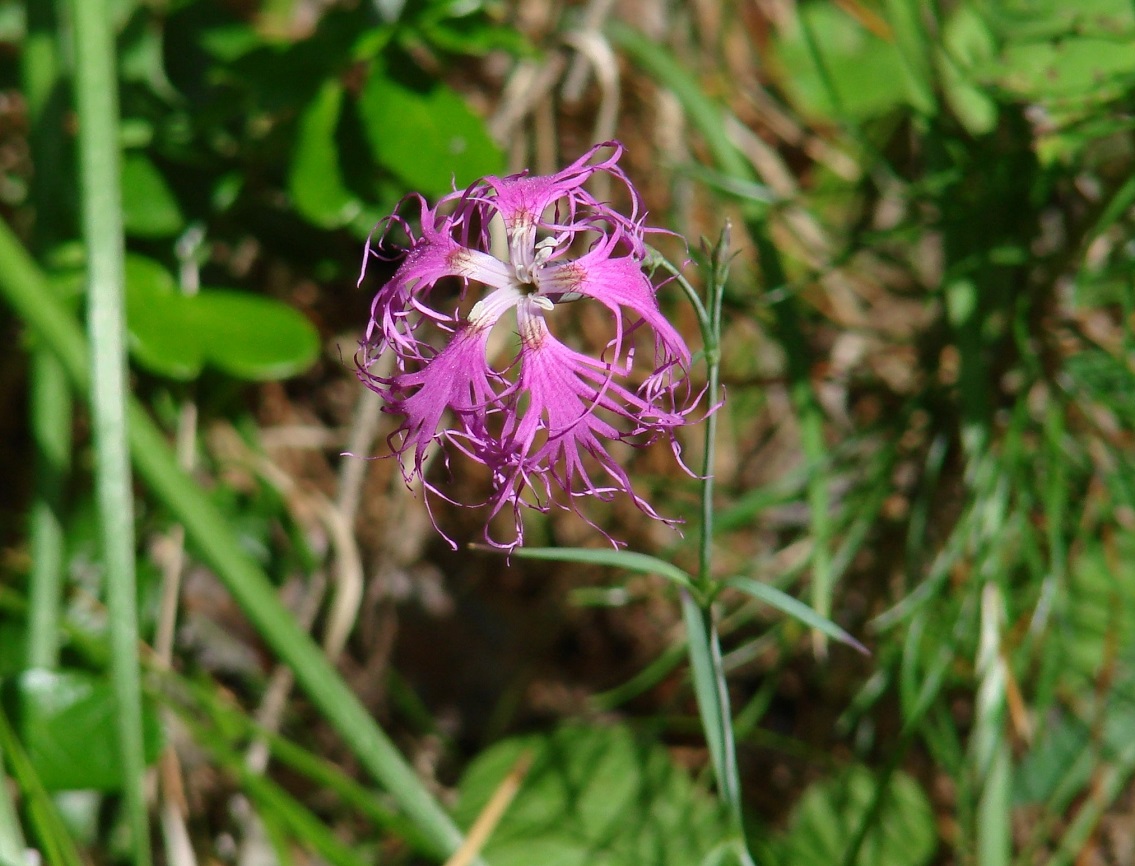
{"x": 426, "y": 135}
{"x": 967, "y": 42}
{"x": 865, "y": 72}
{"x": 593, "y": 797}
{"x": 315, "y": 179}
{"x": 149, "y": 208}
{"x": 244, "y": 335}
{"x": 827, "y": 817}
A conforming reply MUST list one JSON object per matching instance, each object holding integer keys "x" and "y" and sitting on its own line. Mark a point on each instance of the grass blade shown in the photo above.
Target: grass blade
{"x": 56, "y": 845}
{"x": 12, "y": 844}
{"x": 992, "y": 763}
{"x": 795, "y": 608}
{"x": 96, "y": 97}
{"x": 50, "y": 402}
{"x": 24, "y": 287}
{"x": 49, "y": 397}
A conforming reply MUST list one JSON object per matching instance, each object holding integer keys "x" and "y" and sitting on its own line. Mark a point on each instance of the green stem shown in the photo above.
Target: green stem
{"x": 703, "y": 640}
{"x": 96, "y": 97}
{"x": 719, "y": 274}
{"x": 709, "y": 119}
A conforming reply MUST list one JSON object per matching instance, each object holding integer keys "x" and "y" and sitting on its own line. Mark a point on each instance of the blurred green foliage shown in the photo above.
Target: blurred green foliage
{"x": 65, "y": 720}
{"x": 986, "y": 187}
{"x": 593, "y": 796}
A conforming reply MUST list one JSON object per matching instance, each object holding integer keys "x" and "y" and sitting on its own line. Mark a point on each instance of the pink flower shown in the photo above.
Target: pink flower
{"x": 543, "y": 422}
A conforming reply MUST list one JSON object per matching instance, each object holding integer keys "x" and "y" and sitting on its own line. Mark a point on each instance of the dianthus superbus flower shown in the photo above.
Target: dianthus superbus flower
{"x": 542, "y": 420}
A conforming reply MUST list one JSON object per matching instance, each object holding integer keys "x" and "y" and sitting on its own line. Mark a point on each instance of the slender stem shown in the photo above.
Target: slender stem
{"x": 709, "y": 322}
{"x": 729, "y": 774}
{"x": 703, "y": 641}
{"x": 708, "y": 336}
{"x": 96, "y": 97}
{"x": 719, "y": 273}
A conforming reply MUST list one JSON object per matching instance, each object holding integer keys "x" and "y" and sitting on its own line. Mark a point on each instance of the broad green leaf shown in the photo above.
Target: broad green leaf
{"x": 149, "y": 208}
{"x": 866, "y": 72}
{"x": 827, "y": 817}
{"x": 1098, "y": 612}
{"x": 913, "y": 45}
{"x": 244, "y": 335}
{"x": 592, "y": 797}
{"x": 66, "y": 722}
{"x": 251, "y": 337}
{"x": 1032, "y": 20}
{"x": 967, "y": 42}
{"x": 1069, "y": 60}
{"x": 1069, "y": 753}
{"x": 466, "y": 29}
{"x": 425, "y": 135}
{"x": 1073, "y": 66}
{"x": 315, "y": 179}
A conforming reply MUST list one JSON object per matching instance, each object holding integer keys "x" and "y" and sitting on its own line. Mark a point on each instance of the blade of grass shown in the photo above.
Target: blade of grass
{"x": 991, "y": 761}
{"x": 96, "y": 98}
{"x": 659, "y": 668}
{"x": 706, "y": 115}
{"x": 810, "y": 416}
{"x": 12, "y": 844}
{"x": 49, "y": 397}
{"x": 785, "y": 603}
{"x": 25, "y": 289}
{"x": 50, "y": 401}
{"x": 270, "y": 798}
{"x": 187, "y": 697}
{"x": 56, "y": 845}
{"x": 1056, "y": 492}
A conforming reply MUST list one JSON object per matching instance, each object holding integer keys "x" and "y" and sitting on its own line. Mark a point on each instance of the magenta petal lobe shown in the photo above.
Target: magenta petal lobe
{"x": 551, "y": 424}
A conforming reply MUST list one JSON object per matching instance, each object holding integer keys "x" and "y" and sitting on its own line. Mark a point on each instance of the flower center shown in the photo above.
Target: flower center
{"x": 527, "y": 274}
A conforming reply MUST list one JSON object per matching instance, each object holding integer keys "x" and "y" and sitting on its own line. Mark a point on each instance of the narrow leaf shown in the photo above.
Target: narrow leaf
{"x": 631, "y": 561}
{"x": 785, "y": 603}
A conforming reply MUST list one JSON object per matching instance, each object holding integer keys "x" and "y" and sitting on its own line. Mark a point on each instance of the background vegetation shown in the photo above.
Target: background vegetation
{"x": 221, "y": 640}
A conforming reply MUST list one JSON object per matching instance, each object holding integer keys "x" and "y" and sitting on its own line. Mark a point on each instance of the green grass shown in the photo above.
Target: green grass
{"x": 918, "y": 320}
